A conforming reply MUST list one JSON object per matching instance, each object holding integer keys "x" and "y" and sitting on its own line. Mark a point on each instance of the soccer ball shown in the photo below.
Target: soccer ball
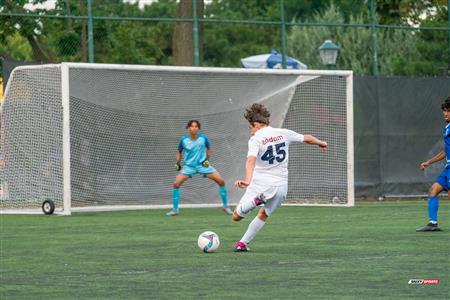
{"x": 208, "y": 241}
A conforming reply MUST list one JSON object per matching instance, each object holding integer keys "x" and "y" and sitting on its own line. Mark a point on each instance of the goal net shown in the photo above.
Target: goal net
{"x": 98, "y": 136}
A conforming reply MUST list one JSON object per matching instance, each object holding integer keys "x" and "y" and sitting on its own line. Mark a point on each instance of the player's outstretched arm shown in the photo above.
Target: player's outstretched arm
{"x": 312, "y": 140}
{"x": 437, "y": 157}
{"x": 249, "y": 168}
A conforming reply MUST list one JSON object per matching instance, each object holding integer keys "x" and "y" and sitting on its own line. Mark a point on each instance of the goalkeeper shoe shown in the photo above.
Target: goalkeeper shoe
{"x": 241, "y": 247}
{"x": 173, "y": 213}
{"x": 259, "y": 200}
{"x": 227, "y": 210}
{"x": 429, "y": 227}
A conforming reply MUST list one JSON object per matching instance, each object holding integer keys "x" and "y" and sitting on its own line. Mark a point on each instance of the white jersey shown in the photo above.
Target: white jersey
{"x": 270, "y": 146}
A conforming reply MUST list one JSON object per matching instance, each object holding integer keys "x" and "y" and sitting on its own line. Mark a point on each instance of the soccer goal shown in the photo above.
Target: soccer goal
{"x": 99, "y": 136}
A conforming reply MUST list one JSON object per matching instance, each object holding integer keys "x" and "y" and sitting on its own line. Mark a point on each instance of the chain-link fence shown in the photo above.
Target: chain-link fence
{"x": 121, "y": 32}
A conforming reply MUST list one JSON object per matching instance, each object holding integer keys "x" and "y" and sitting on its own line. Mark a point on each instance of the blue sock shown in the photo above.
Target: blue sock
{"x": 433, "y": 206}
{"x": 175, "y": 198}
{"x": 223, "y": 195}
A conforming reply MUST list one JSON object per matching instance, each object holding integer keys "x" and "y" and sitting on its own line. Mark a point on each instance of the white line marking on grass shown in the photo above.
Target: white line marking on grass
{"x": 340, "y": 259}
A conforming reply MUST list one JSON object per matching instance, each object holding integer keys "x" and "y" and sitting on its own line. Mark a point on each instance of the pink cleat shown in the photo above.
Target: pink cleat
{"x": 241, "y": 247}
{"x": 259, "y": 200}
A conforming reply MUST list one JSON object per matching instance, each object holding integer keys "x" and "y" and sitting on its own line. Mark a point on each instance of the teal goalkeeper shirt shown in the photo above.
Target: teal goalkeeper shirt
{"x": 194, "y": 150}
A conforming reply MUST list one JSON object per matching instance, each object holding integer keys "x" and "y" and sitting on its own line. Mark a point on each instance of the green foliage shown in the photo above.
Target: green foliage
{"x": 115, "y": 41}
{"x": 68, "y": 43}
{"x": 29, "y": 28}
{"x": 225, "y": 44}
{"x": 15, "y": 46}
{"x": 400, "y": 52}
{"x": 407, "y": 11}
{"x": 304, "y": 42}
{"x": 134, "y": 42}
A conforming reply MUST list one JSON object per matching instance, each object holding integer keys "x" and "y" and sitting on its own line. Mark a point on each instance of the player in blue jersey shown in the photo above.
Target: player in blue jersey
{"x": 194, "y": 151}
{"x": 443, "y": 181}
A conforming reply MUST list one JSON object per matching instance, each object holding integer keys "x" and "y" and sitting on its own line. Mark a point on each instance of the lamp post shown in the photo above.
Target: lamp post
{"x": 328, "y": 52}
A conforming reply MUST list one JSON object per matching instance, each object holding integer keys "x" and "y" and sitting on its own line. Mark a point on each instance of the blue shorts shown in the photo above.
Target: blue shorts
{"x": 444, "y": 178}
{"x": 191, "y": 171}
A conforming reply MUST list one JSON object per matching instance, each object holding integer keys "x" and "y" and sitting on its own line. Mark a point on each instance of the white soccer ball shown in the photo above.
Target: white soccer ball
{"x": 208, "y": 241}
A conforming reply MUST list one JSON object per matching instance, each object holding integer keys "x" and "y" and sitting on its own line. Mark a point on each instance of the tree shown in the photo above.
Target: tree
{"x": 433, "y": 45}
{"x": 133, "y": 42}
{"x": 407, "y": 11}
{"x": 30, "y": 29}
{"x": 183, "y": 41}
{"x": 398, "y": 50}
{"x": 303, "y": 42}
{"x": 15, "y": 46}
{"x": 226, "y": 44}
{"x": 65, "y": 39}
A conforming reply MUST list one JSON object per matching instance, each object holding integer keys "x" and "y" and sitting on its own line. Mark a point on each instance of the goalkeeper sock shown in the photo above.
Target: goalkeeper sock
{"x": 252, "y": 230}
{"x": 223, "y": 195}
{"x": 433, "y": 206}
{"x": 175, "y": 198}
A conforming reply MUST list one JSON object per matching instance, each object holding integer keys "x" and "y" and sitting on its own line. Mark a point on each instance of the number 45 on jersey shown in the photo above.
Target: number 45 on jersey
{"x": 279, "y": 154}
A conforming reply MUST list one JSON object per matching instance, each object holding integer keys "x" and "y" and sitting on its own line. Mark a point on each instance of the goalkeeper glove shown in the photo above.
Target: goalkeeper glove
{"x": 205, "y": 163}
{"x": 178, "y": 166}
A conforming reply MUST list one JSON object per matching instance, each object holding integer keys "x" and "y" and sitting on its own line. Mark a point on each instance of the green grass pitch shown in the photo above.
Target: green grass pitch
{"x": 366, "y": 252}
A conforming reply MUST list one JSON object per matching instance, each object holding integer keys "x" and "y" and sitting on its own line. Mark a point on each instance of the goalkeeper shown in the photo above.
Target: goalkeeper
{"x": 194, "y": 150}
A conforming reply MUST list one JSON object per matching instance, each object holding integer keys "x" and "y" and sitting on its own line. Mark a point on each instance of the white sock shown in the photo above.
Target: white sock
{"x": 252, "y": 230}
{"x": 244, "y": 208}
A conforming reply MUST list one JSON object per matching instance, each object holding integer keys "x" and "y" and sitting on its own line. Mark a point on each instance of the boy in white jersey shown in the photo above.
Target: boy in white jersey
{"x": 266, "y": 170}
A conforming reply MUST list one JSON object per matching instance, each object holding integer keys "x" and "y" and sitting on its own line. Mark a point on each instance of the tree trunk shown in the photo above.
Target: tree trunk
{"x": 41, "y": 51}
{"x": 183, "y": 38}
{"x": 69, "y": 20}
{"x": 84, "y": 38}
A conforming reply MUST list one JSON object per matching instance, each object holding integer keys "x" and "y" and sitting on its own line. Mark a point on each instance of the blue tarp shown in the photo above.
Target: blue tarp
{"x": 271, "y": 60}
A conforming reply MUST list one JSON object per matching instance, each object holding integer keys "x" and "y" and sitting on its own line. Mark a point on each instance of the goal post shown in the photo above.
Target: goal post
{"x": 65, "y": 101}
{"x": 104, "y": 137}
{"x": 350, "y": 143}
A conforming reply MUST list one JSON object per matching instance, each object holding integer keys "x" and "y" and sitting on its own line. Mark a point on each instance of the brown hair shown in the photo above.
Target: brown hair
{"x": 257, "y": 113}
{"x": 193, "y": 121}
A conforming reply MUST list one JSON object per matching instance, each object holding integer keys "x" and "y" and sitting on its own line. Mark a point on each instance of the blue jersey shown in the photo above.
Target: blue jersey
{"x": 194, "y": 150}
{"x": 447, "y": 143}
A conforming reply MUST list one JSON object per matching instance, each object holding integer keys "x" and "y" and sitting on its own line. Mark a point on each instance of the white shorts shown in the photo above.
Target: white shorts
{"x": 274, "y": 195}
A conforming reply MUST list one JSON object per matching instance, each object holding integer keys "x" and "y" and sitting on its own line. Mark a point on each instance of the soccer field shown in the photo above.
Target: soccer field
{"x": 369, "y": 251}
